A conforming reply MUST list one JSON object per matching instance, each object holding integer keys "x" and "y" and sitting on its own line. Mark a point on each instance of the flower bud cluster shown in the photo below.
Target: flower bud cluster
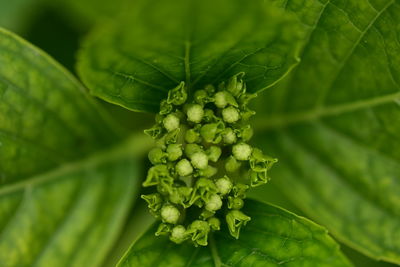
{"x": 203, "y": 164}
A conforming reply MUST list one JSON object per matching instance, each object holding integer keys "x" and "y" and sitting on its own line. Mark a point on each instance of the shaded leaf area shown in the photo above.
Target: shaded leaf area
{"x": 70, "y": 216}
{"x": 45, "y": 116}
{"x": 136, "y": 60}
{"x": 274, "y": 237}
{"x": 334, "y": 123}
{"x": 13, "y": 14}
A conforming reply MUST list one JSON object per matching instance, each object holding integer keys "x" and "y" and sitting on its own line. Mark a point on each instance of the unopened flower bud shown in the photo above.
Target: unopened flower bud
{"x": 229, "y": 136}
{"x": 184, "y": 168}
{"x": 174, "y": 151}
{"x": 195, "y": 113}
{"x": 157, "y": 156}
{"x": 242, "y": 151}
{"x": 170, "y": 214}
{"x": 199, "y": 160}
{"x": 192, "y": 136}
{"x": 178, "y": 234}
{"x": 213, "y": 153}
{"x": 171, "y": 122}
{"x": 235, "y": 220}
{"x": 235, "y": 203}
{"x": 214, "y": 203}
{"x": 214, "y": 223}
{"x": 230, "y": 114}
{"x": 224, "y": 185}
{"x": 231, "y": 164}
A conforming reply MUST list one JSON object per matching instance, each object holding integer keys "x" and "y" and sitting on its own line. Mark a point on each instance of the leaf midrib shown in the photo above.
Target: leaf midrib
{"x": 285, "y": 120}
{"x": 132, "y": 146}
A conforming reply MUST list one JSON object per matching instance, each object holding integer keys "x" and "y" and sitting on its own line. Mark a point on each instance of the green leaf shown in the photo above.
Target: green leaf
{"x": 334, "y": 123}
{"x": 273, "y": 237}
{"x": 46, "y": 119}
{"x": 13, "y": 13}
{"x": 135, "y": 61}
{"x": 72, "y": 215}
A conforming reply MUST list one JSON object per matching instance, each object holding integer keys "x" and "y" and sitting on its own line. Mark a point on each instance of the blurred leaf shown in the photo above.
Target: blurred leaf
{"x": 45, "y": 117}
{"x": 273, "y": 237}
{"x": 334, "y": 123}
{"x": 70, "y": 216}
{"x": 14, "y": 13}
{"x": 135, "y": 61}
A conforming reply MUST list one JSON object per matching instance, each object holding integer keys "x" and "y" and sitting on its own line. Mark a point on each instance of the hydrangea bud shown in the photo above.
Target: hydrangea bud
{"x": 213, "y": 153}
{"x": 230, "y": 114}
{"x": 171, "y": 122}
{"x": 184, "y": 168}
{"x": 178, "y": 234}
{"x": 199, "y": 160}
{"x": 224, "y": 185}
{"x": 242, "y": 151}
{"x": 195, "y": 113}
{"x": 214, "y": 203}
{"x": 170, "y": 214}
{"x": 235, "y": 220}
{"x": 174, "y": 151}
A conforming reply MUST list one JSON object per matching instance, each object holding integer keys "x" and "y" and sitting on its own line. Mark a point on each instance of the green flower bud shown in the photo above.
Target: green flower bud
{"x": 199, "y": 160}
{"x": 170, "y": 214}
{"x": 235, "y": 203}
{"x": 154, "y": 201}
{"x": 171, "y": 122}
{"x": 154, "y": 132}
{"x": 163, "y": 229}
{"x": 165, "y": 107}
{"x": 178, "y": 95}
{"x": 210, "y": 89}
{"x": 195, "y": 113}
{"x": 259, "y": 162}
{"x": 224, "y": 185}
{"x": 178, "y": 234}
{"x": 205, "y": 214}
{"x": 231, "y": 164}
{"x": 244, "y": 99}
{"x": 203, "y": 189}
{"x": 158, "y": 174}
{"x": 174, "y": 151}
{"x": 209, "y": 116}
{"x": 214, "y": 203}
{"x": 229, "y": 136}
{"x": 190, "y": 149}
{"x": 235, "y": 220}
{"x": 172, "y": 136}
{"x": 201, "y": 97}
{"x": 245, "y": 132}
{"x": 199, "y": 231}
{"x": 247, "y": 113}
{"x": 239, "y": 190}
{"x": 157, "y": 156}
{"x": 214, "y": 223}
{"x": 236, "y": 86}
{"x": 213, "y": 153}
{"x": 209, "y": 171}
{"x": 242, "y": 151}
{"x": 184, "y": 168}
{"x": 223, "y": 98}
{"x": 230, "y": 115}
{"x": 212, "y": 132}
{"x": 192, "y": 136}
